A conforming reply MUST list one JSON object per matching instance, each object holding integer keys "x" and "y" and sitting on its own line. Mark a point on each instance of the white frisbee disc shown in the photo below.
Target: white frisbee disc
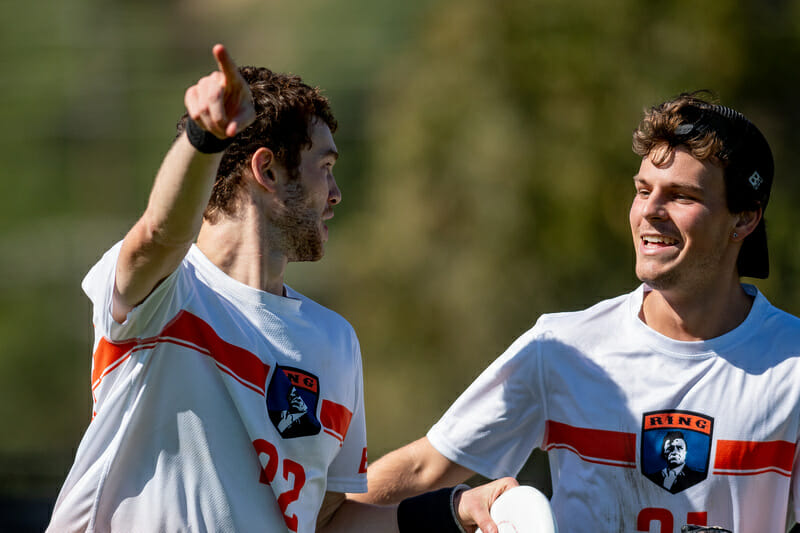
{"x": 523, "y": 509}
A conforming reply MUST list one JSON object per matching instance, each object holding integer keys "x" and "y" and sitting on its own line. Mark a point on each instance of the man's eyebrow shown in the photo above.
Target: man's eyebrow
{"x": 683, "y": 186}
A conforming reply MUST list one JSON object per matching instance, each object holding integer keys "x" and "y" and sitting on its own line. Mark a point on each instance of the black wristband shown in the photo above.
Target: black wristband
{"x": 205, "y": 141}
{"x": 431, "y": 512}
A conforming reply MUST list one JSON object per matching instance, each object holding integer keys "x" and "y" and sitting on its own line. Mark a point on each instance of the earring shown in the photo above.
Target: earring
{"x": 735, "y": 235}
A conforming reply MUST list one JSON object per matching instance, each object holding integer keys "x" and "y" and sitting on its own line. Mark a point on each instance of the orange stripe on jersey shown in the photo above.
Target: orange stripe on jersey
{"x": 335, "y": 418}
{"x": 108, "y": 356}
{"x": 744, "y": 458}
{"x": 599, "y": 446}
{"x": 191, "y": 332}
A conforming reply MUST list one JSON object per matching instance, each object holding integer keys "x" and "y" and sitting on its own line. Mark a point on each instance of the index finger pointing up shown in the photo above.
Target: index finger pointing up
{"x": 226, "y": 65}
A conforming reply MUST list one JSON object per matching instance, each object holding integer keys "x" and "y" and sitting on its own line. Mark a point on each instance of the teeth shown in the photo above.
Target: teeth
{"x": 658, "y": 239}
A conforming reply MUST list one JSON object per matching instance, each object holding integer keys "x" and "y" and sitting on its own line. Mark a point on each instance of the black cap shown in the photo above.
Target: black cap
{"x": 749, "y": 170}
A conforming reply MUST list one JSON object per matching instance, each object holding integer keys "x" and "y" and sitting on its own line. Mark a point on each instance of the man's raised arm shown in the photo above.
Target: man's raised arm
{"x": 221, "y": 106}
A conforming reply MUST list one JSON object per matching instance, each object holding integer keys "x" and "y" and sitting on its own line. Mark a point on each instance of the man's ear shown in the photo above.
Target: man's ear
{"x": 261, "y": 165}
{"x": 746, "y": 223}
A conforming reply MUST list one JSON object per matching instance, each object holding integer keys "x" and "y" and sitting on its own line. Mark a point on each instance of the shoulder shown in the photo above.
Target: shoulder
{"x": 321, "y": 314}
{"x": 774, "y": 316}
{"x": 595, "y": 317}
{"x": 771, "y": 324}
{"x": 557, "y": 332}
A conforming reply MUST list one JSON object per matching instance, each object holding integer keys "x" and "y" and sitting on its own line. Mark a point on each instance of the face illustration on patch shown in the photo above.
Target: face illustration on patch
{"x": 675, "y": 451}
{"x": 292, "y": 399}
{"x": 296, "y": 403}
{"x": 676, "y": 448}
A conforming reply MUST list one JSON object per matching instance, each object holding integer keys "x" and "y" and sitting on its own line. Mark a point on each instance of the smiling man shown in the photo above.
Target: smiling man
{"x": 691, "y": 366}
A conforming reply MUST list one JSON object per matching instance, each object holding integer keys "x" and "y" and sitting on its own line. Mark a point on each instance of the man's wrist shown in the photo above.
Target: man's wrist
{"x": 432, "y": 512}
{"x": 205, "y": 141}
{"x": 457, "y": 490}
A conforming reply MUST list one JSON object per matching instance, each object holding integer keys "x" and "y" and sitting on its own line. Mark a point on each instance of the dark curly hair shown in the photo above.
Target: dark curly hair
{"x": 285, "y": 108}
{"x": 711, "y": 133}
{"x": 660, "y": 127}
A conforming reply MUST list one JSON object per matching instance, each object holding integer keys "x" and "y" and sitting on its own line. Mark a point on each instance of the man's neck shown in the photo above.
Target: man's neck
{"x": 243, "y": 253}
{"x": 701, "y": 315}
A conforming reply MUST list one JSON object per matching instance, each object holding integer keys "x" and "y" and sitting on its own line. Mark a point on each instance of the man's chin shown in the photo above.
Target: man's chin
{"x": 662, "y": 280}
{"x": 306, "y": 258}
{"x": 308, "y": 255}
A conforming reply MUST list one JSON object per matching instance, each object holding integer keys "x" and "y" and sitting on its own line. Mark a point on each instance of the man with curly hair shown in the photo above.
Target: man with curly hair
{"x": 223, "y": 399}
{"x": 692, "y": 351}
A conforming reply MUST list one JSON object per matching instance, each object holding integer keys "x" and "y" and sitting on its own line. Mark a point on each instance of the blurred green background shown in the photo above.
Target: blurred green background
{"x": 486, "y": 172}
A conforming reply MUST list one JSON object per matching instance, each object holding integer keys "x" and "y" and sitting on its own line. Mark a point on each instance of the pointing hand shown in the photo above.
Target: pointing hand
{"x": 221, "y": 102}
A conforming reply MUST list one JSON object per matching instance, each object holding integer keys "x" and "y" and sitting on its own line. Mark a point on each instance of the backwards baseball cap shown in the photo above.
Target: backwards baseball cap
{"x": 748, "y": 170}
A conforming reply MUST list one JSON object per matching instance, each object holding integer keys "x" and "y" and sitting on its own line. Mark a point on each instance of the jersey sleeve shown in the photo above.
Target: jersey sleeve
{"x": 348, "y": 471}
{"x": 115, "y": 342}
{"x": 495, "y": 424}
{"x": 147, "y": 318}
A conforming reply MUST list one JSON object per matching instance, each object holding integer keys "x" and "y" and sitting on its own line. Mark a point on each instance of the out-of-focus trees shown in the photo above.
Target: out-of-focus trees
{"x": 485, "y": 167}
{"x": 500, "y": 175}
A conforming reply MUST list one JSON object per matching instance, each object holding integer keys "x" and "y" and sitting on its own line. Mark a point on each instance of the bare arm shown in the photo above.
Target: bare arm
{"x": 220, "y": 103}
{"x": 340, "y": 515}
{"x": 413, "y": 469}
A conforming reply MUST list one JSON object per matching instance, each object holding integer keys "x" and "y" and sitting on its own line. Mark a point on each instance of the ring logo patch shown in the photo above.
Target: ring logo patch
{"x": 676, "y": 448}
{"x": 292, "y": 400}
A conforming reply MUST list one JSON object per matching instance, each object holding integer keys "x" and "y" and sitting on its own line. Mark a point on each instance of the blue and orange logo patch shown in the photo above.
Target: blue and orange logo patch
{"x": 292, "y": 400}
{"x": 676, "y": 448}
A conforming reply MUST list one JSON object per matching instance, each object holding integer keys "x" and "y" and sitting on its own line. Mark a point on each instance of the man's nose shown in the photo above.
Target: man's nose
{"x": 334, "y": 194}
{"x": 654, "y": 206}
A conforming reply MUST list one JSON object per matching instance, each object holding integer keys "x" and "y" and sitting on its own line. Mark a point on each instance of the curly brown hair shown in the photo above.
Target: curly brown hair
{"x": 659, "y": 131}
{"x": 710, "y": 132}
{"x": 285, "y": 108}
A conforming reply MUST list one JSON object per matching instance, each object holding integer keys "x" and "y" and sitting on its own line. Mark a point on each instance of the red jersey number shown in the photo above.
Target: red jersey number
{"x": 290, "y": 468}
{"x": 654, "y": 514}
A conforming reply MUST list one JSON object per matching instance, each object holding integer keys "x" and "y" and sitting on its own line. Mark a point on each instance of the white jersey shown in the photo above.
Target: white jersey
{"x": 217, "y": 407}
{"x": 604, "y": 395}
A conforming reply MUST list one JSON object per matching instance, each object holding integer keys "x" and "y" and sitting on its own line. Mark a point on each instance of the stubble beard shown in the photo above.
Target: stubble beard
{"x": 298, "y": 226}
{"x": 660, "y": 282}
{"x": 682, "y": 276}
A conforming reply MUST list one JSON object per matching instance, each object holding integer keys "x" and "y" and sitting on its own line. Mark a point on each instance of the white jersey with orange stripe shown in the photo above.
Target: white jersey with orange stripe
{"x": 217, "y": 407}
{"x": 642, "y": 430}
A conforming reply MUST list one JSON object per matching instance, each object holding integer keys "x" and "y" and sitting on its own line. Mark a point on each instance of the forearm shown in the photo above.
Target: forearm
{"x": 356, "y": 517}
{"x": 449, "y": 510}
{"x": 159, "y": 240}
{"x": 180, "y": 193}
{"x": 408, "y": 471}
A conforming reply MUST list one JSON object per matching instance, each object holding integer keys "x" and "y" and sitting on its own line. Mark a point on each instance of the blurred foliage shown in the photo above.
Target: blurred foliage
{"x": 501, "y": 164}
{"x": 486, "y": 171}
